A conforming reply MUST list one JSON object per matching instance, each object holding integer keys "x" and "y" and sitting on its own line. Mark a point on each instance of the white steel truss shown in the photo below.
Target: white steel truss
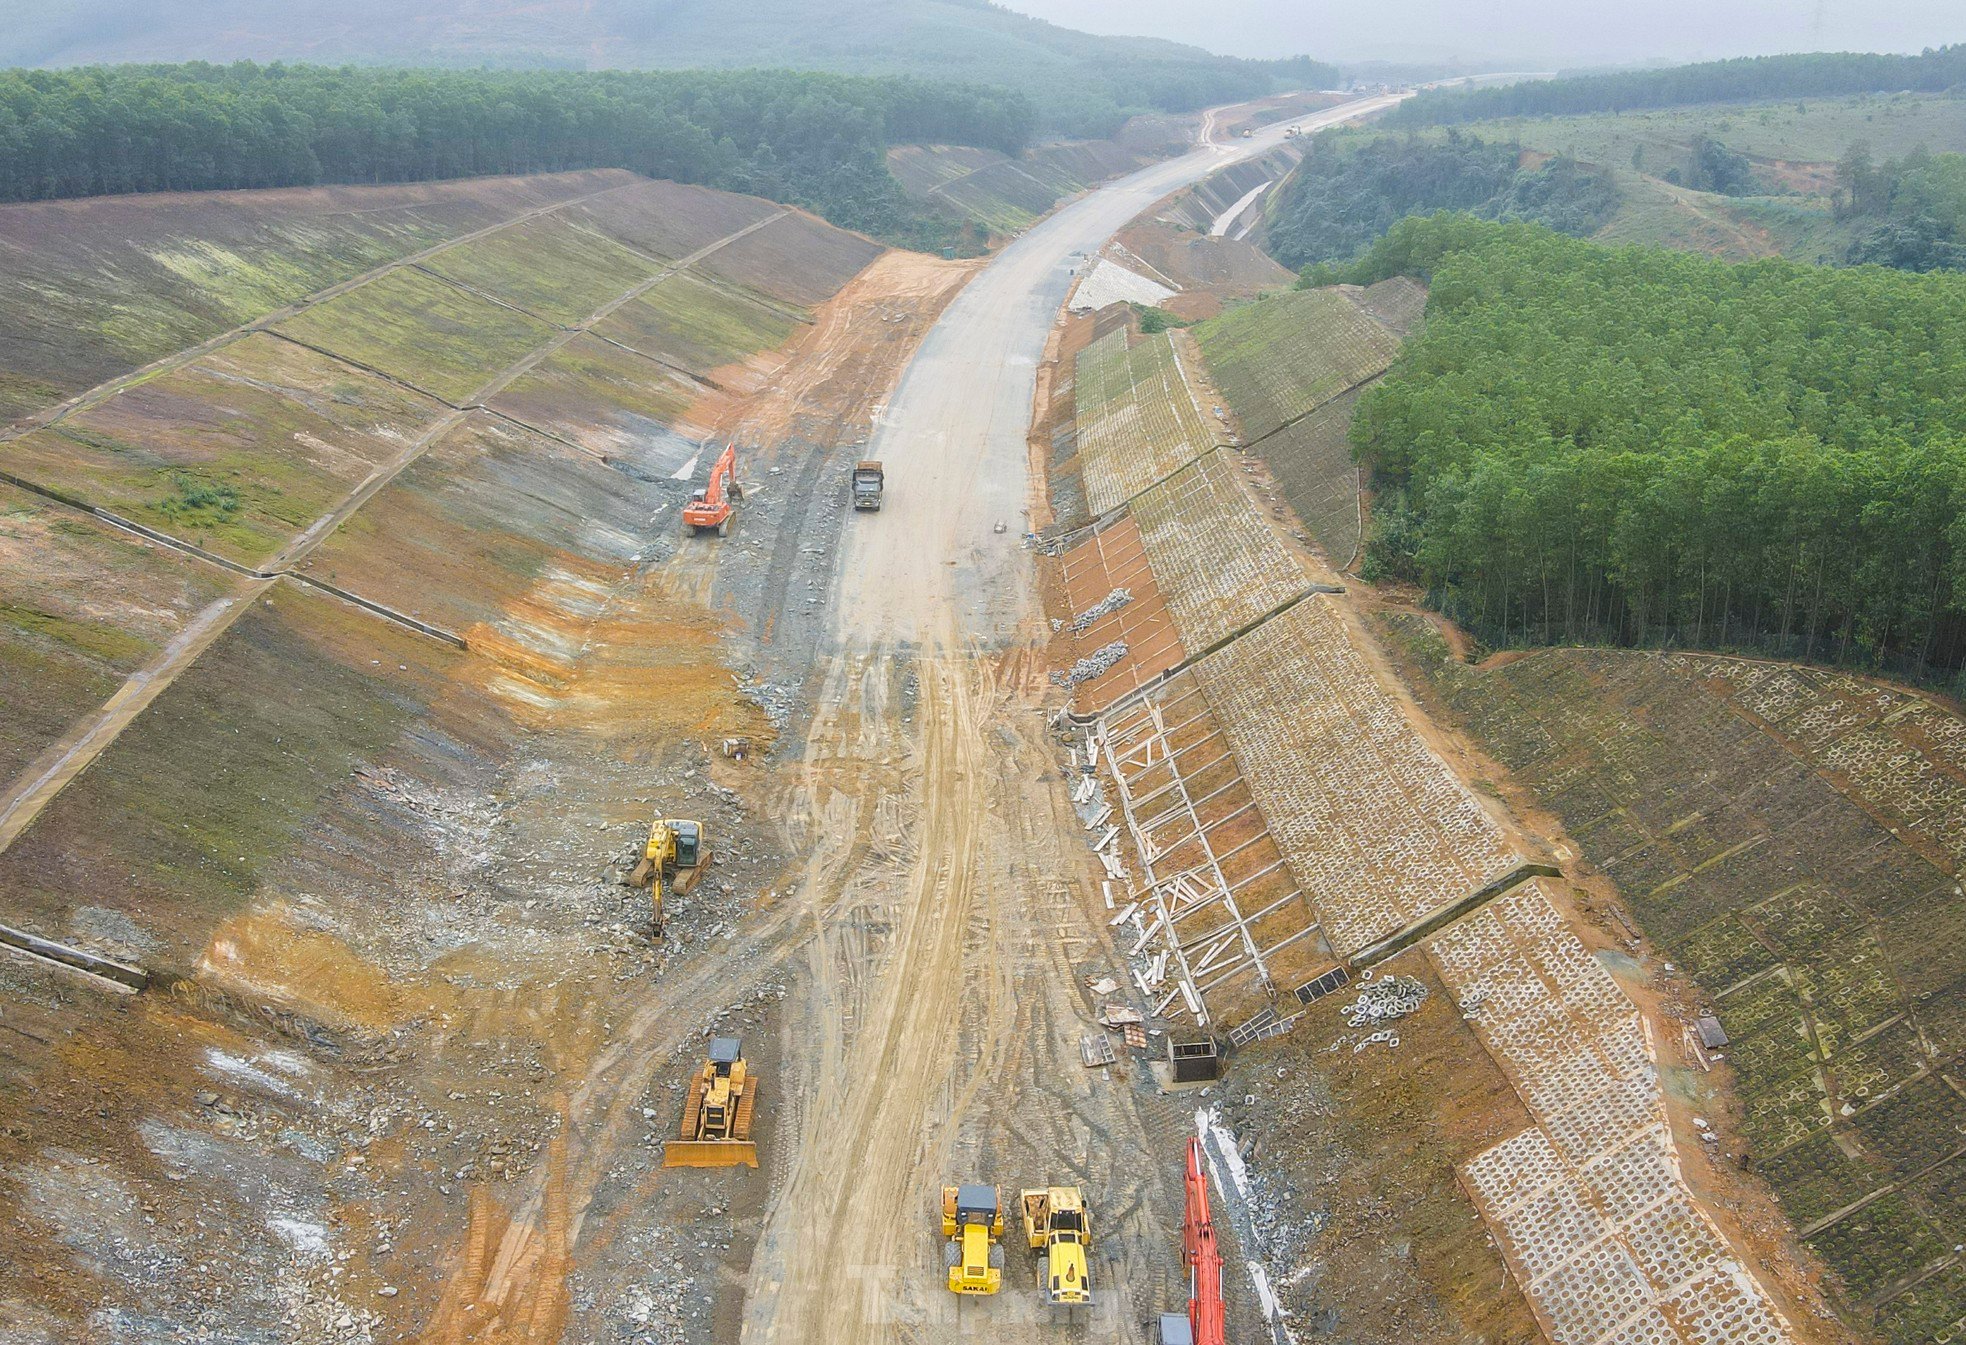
{"x": 1195, "y": 930}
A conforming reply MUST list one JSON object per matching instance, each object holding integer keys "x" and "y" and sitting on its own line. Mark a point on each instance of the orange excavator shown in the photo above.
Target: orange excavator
{"x": 710, "y": 508}
{"x": 1206, "y": 1313}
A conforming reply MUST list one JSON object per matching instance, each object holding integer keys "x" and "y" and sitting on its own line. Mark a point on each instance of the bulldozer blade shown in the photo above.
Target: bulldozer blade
{"x": 710, "y": 1154}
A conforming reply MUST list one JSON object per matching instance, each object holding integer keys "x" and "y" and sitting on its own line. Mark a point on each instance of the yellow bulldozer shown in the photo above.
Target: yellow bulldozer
{"x": 1056, "y": 1226}
{"x": 972, "y": 1221}
{"x": 716, "y": 1129}
{"x": 675, "y": 855}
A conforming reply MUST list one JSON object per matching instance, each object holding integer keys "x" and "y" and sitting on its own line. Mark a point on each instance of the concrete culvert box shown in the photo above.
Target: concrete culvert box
{"x": 1194, "y": 1057}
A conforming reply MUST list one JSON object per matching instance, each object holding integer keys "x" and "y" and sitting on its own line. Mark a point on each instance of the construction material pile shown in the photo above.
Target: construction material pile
{"x": 1383, "y": 1001}
{"x": 1092, "y": 665}
{"x": 1112, "y": 602}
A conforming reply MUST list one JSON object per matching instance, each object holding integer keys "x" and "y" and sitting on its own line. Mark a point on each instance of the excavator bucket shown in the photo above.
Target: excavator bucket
{"x": 710, "y": 1154}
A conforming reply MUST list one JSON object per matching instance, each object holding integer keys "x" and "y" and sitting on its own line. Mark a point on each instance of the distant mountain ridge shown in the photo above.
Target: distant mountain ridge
{"x": 1082, "y": 84}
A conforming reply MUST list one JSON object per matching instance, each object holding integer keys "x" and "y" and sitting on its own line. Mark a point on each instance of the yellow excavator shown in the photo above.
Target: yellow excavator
{"x": 675, "y": 855}
{"x": 1056, "y": 1226}
{"x": 972, "y": 1221}
{"x": 716, "y": 1129}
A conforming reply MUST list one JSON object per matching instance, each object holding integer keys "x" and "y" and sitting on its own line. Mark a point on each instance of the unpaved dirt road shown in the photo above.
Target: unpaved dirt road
{"x": 937, "y": 1036}
{"x": 935, "y": 943}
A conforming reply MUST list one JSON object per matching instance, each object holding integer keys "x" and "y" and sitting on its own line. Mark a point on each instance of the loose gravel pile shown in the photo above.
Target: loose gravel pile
{"x": 1112, "y": 602}
{"x": 1092, "y": 665}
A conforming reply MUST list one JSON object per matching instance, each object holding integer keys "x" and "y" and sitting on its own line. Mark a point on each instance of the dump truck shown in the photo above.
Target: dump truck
{"x": 1057, "y": 1229}
{"x": 868, "y": 482}
{"x": 674, "y": 855}
{"x": 972, "y": 1221}
{"x": 711, "y": 509}
{"x": 716, "y": 1130}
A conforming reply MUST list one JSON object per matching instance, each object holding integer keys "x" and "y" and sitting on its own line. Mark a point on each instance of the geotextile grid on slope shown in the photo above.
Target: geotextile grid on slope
{"x": 1590, "y": 1205}
{"x": 1137, "y": 420}
{"x": 1284, "y": 357}
{"x": 1219, "y": 565}
{"x": 1780, "y": 832}
{"x": 1377, "y": 827}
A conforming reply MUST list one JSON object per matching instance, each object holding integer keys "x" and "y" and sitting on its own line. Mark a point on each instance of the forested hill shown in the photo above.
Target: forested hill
{"x": 1650, "y": 447}
{"x": 810, "y": 139}
{"x": 1813, "y": 75}
{"x": 1080, "y": 83}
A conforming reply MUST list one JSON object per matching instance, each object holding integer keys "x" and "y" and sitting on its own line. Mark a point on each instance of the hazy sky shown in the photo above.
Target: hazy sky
{"x": 1550, "y": 31}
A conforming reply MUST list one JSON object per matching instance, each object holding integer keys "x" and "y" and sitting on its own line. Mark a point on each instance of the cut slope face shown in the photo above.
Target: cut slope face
{"x": 1005, "y": 195}
{"x": 1292, "y": 368}
{"x": 1381, "y": 831}
{"x": 1284, "y": 357}
{"x": 1138, "y": 420}
{"x": 335, "y": 445}
{"x": 1297, "y": 828}
{"x": 1215, "y": 558}
{"x": 1601, "y": 1228}
{"x": 1745, "y": 810}
{"x": 412, "y": 327}
{"x": 381, "y": 862}
{"x": 82, "y": 606}
{"x": 93, "y": 289}
{"x": 237, "y": 451}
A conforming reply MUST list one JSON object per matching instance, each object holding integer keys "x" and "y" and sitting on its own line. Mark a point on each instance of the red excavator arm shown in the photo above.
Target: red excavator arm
{"x": 711, "y": 507}
{"x": 1206, "y": 1314}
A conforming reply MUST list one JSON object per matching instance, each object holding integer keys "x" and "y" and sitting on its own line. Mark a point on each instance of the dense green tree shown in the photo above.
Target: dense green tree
{"x": 811, "y": 139}
{"x": 1915, "y": 208}
{"x": 1655, "y": 447}
{"x": 1716, "y": 168}
{"x": 1814, "y": 75}
{"x": 1347, "y": 193}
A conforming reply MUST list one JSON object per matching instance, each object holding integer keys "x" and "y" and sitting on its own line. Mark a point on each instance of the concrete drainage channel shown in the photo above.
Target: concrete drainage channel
{"x": 106, "y": 972}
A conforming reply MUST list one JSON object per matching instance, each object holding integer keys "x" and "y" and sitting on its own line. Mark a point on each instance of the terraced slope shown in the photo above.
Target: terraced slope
{"x": 1281, "y": 358}
{"x": 1746, "y": 813}
{"x": 93, "y": 289}
{"x": 1292, "y": 367}
{"x": 271, "y": 441}
{"x": 1137, "y": 419}
{"x": 1216, "y": 561}
{"x": 237, "y": 451}
{"x": 1312, "y": 460}
{"x": 550, "y": 268}
{"x": 697, "y": 325}
{"x": 795, "y": 259}
{"x": 412, "y": 327}
{"x": 1005, "y": 195}
{"x": 82, "y": 606}
{"x": 141, "y": 858}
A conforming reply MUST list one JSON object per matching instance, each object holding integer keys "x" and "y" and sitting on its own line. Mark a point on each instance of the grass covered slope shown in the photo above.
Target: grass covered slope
{"x": 237, "y": 451}
{"x": 82, "y": 606}
{"x": 94, "y": 289}
{"x": 1650, "y": 446}
{"x": 1284, "y": 357}
{"x": 1789, "y": 838}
